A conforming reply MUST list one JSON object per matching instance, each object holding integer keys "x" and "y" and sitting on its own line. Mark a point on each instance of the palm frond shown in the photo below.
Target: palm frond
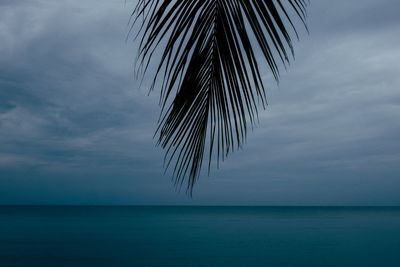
{"x": 211, "y": 80}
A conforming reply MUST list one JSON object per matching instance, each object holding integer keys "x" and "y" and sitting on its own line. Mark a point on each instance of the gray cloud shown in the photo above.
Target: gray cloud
{"x": 76, "y": 128}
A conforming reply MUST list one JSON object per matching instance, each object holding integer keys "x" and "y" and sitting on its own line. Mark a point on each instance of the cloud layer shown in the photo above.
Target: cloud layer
{"x": 75, "y": 127}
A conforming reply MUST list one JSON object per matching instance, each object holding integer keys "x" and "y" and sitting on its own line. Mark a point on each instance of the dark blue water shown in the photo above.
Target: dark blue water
{"x": 199, "y": 236}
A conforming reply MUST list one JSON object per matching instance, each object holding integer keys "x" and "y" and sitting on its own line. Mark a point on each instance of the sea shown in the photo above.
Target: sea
{"x": 199, "y": 236}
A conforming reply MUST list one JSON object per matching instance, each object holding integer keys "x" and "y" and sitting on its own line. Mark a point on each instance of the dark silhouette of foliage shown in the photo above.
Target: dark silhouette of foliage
{"x": 211, "y": 81}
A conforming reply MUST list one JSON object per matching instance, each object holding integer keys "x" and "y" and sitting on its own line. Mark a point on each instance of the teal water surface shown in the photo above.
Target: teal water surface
{"x": 199, "y": 236}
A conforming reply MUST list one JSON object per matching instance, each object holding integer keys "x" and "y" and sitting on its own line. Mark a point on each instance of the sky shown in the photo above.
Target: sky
{"x": 76, "y": 127}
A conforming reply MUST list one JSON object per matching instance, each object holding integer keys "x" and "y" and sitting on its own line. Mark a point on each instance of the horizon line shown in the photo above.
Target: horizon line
{"x": 182, "y": 205}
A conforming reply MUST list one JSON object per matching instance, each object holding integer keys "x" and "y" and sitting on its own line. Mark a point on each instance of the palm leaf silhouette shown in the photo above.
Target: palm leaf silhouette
{"x": 211, "y": 81}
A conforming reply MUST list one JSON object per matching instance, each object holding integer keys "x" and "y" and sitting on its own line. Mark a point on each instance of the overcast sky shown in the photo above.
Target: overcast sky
{"x": 75, "y": 128}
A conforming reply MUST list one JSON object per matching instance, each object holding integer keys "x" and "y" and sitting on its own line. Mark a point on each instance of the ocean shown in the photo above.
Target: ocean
{"x": 199, "y": 236}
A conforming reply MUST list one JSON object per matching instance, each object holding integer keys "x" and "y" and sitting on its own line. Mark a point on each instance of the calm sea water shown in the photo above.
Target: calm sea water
{"x": 199, "y": 236}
